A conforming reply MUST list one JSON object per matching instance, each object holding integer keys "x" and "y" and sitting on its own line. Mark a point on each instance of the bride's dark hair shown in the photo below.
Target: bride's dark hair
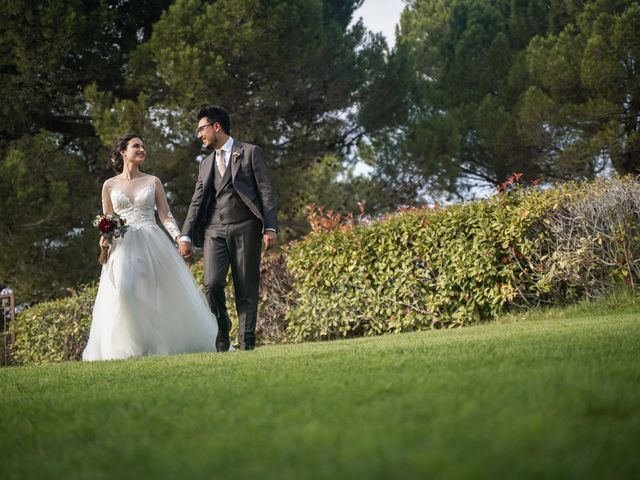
{"x": 121, "y": 144}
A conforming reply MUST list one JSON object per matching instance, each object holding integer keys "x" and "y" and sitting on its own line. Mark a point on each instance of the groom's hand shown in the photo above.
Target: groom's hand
{"x": 269, "y": 238}
{"x": 185, "y": 249}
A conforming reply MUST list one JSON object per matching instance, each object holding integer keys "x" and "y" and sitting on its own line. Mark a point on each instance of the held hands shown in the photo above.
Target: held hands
{"x": 185, "y": 249}
{"x": 269, "y": 239}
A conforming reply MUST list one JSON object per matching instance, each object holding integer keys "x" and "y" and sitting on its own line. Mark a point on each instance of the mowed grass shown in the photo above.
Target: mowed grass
{"x": 555, "y": 395}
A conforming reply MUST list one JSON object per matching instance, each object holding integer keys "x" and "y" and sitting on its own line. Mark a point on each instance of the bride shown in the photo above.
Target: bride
{"x": 148, "y": 302}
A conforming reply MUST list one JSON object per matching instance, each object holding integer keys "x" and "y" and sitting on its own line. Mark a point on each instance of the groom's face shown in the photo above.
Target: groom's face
{"x": 209, "y": 133}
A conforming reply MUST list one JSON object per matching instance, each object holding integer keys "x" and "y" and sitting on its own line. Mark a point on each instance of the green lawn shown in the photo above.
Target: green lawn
{"x": 553, "y": 396}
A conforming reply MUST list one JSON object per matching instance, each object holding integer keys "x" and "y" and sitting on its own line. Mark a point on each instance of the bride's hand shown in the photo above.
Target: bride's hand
{"x": 103, "y": 242}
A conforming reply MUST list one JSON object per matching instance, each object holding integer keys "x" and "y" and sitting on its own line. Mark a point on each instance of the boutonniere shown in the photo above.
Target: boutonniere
{"x": 235, "y": 156}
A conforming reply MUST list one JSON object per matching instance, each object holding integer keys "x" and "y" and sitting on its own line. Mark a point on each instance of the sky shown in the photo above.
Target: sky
{"x": 381, "y": 16}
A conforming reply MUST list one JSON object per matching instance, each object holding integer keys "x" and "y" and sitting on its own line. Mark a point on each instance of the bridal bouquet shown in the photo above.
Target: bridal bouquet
{"x": 110, "y": 226}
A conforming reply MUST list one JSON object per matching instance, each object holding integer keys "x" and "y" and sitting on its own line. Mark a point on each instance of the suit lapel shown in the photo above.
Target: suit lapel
{"x": 207, "y": 170}
{"x": 236, "y": 155}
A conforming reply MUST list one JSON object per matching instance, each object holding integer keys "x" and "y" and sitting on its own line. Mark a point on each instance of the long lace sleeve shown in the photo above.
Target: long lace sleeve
{"x": 107, "y": 206}
{"x": 164, "y": 213}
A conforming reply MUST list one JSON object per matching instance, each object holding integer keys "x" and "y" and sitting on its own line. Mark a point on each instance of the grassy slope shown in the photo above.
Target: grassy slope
{"x": 555, "y": 397}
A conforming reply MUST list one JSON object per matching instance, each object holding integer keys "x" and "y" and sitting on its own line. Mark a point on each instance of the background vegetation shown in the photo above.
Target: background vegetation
{"x": 471, "y": 92}
{"x": 447, "y": 267}
{"x": 417, "y": 269}
{"x": 547, "y": 88}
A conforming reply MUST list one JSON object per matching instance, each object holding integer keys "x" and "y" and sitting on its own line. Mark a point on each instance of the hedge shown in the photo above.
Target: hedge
{"x": 417, "y": 269}
{"x": 453, "y": 266}
{"x": 592, "y": 240}
{"x": 420, "y": 268}
{"x": 53, "y": 331}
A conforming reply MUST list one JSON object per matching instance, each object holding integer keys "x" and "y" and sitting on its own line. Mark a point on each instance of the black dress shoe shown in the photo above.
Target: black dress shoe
{"x": 222, "y": 343}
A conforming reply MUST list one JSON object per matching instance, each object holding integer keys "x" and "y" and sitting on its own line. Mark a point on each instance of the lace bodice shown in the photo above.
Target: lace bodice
{"x": 139, "y": 211}
{"x": 136, "y": 201}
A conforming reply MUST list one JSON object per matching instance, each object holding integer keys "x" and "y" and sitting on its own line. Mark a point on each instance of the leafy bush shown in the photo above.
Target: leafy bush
{"x": 53, "y": 331}
{"x": 417, "y": 269}
{"x": 448, "y": 267}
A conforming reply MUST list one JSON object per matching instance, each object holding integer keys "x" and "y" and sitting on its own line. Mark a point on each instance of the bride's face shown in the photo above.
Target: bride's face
{"x": 135, "y": 151}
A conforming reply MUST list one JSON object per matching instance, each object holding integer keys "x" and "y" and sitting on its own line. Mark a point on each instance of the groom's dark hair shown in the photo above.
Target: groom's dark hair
{"x": 216, "y": 114}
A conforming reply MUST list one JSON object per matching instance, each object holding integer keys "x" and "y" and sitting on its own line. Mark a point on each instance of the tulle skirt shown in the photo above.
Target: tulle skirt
{"x": 148, "y": 302}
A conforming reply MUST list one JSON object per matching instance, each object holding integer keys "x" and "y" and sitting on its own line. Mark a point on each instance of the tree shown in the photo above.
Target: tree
{"x": 289, "y": 72}
{"x": 469, "y": 59}
{"x": 81, "y": 73}
{"x": 50, "y": 157}
{"x": 584, "y": 105}
{"x": 44, "y": 217}
{"x": 52, "y": 49}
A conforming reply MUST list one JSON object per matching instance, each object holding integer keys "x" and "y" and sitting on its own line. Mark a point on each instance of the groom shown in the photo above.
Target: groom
{"x": 232, "y": 213}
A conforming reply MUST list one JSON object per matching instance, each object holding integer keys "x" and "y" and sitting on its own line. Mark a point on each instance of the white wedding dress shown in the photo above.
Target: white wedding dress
{"x": 148, "y": 302}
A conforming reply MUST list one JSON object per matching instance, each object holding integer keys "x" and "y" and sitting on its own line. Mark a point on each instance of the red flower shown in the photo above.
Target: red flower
{"x": 517, "y": 177}
{"x": 110, "y": 225}
{"x": 105, "y": 225}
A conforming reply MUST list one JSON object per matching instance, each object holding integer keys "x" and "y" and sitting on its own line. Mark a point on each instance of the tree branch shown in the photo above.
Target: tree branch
{"x": 76, "y": 125}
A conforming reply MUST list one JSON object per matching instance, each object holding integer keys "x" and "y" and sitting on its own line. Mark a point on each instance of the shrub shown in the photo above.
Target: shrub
{"x": 448, "y": 267}
{"x": 53, "y": 331}
{"x": 276, "y": 298}
{"x": 417, "y": 269}
{"x": 592, "y": 239}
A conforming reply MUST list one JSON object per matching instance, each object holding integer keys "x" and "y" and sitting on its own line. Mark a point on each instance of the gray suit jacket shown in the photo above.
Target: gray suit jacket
{"x": 250, "y": 179}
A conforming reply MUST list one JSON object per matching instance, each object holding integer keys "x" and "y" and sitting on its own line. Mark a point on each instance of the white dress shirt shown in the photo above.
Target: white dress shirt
{"x": 226, "y": 150}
